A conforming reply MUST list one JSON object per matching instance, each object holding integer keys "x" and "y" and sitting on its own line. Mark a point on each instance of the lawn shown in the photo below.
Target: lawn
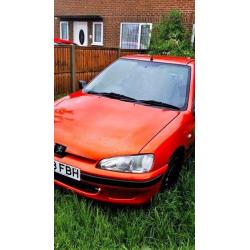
{"x": 168, "y": 223}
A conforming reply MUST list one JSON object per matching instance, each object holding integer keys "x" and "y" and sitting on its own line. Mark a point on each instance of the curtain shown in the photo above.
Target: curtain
{"x": 145, "y": 36}
{"x": 130, "y": 36}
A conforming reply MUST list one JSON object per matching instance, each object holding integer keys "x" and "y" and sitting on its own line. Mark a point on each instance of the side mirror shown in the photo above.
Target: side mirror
{"x": 82, "y": 84}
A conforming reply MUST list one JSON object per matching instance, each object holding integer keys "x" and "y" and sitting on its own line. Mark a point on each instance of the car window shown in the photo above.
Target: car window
{"x": 145, "y": 80}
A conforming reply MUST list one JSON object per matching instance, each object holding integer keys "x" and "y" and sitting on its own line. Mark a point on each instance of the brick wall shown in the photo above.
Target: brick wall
{"x": 116, "y": 11}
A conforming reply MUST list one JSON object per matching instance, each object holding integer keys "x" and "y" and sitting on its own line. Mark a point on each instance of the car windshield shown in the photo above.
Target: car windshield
{"x": 153, "y": 82}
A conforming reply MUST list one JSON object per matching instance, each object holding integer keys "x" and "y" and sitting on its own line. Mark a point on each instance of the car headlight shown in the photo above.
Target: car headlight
{"x": 128, "y": 164}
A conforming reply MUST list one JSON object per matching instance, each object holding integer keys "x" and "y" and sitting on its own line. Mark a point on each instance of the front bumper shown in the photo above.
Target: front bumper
{"x": 109, "y": 186}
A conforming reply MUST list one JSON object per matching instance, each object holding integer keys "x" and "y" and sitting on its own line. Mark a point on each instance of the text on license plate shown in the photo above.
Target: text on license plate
{"x": 67, "y": 170}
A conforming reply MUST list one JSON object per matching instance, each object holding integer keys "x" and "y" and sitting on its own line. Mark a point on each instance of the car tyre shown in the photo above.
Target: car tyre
{"x": 172, "y": 175}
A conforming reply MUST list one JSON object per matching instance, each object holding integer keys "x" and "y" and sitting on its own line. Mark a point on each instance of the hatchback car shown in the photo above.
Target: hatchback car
{"x": 124, "y": 136}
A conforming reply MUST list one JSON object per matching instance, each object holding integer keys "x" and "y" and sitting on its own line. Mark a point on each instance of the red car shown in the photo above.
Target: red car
{"x": 123, "y": 137}
{"x": 58, "y": 41}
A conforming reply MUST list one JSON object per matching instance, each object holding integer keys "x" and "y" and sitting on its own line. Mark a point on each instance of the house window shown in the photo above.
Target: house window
{"x": 97, "y": 33}
{"x": 135, "y": 35}
{"x": 64, "y": 30}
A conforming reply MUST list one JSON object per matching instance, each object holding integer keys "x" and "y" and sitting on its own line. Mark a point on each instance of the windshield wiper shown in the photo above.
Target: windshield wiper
{"x": 158, "y": 104}
{"x": 114, "y": 95}
{"x": 130, "y": 99}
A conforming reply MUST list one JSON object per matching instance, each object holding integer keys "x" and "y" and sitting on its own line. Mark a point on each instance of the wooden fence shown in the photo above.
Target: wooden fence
{"x": 74, "y": 63}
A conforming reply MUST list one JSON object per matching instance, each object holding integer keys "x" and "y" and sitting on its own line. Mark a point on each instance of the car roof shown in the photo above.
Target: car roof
{"x": 62, "y": 41}
{"x": 161, "y": 58}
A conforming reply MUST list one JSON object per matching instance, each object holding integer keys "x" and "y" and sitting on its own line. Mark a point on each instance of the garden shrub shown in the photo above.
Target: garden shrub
{"x": 170, "y": 37}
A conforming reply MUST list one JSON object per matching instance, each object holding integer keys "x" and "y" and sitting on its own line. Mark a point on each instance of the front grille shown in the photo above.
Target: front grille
{"x": 83, "y": 186}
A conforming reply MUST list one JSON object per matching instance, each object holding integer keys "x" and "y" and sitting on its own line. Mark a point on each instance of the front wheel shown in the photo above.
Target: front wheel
{"x": 173, "y": 172}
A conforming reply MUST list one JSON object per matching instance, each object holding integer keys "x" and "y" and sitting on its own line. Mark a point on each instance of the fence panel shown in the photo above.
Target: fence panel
{"x": 89, "y": 62}
{"x": 62, "y": 70}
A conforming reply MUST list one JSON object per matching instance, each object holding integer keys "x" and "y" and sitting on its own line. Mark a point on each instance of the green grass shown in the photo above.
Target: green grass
{"x": 168, "y": 223}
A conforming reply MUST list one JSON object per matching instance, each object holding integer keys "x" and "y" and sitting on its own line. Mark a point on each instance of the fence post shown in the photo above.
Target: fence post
{"x": 73, "y": 75}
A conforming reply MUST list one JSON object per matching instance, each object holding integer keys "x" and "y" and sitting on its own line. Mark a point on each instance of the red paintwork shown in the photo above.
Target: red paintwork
{"x": 62, "y": 41}
{"x": 94, "y": 128}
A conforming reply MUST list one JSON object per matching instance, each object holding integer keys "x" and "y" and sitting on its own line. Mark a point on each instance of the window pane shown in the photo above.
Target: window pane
{"x": 145, "y": 36}
{"x": 130, "y": 36}
{"x": 64, "y": 30}
{"x": 144, "y": 80}
{"x": 98, "y": 33}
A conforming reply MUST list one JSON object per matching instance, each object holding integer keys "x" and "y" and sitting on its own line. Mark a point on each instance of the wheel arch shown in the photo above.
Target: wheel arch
{"x": 180, "y": 151}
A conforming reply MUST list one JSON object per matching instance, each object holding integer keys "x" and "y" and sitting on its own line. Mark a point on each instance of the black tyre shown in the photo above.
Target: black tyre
{"x": 171, "y": 176}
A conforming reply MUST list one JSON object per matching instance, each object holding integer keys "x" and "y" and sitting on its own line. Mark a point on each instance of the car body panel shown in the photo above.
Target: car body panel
{"x": 59, "y": 41}
{"x": 116, "y": 195}
{"x": 161, "y": 58}
{"x": 114, "y": 128}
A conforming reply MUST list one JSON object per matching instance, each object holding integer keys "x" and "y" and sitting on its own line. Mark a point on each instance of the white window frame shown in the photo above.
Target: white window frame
{"x": 93, "y": 34}
{"x": 61, "y": 22}
{"x": 193, "y": 35}
{"x": 139, "y": 31}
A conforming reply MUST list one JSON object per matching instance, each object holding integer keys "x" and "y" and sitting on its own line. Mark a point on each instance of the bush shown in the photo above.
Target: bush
{"x": 170, "y": 37}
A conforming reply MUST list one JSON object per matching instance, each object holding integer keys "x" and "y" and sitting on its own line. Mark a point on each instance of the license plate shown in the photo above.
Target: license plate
{"x": 67, "y": 170}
